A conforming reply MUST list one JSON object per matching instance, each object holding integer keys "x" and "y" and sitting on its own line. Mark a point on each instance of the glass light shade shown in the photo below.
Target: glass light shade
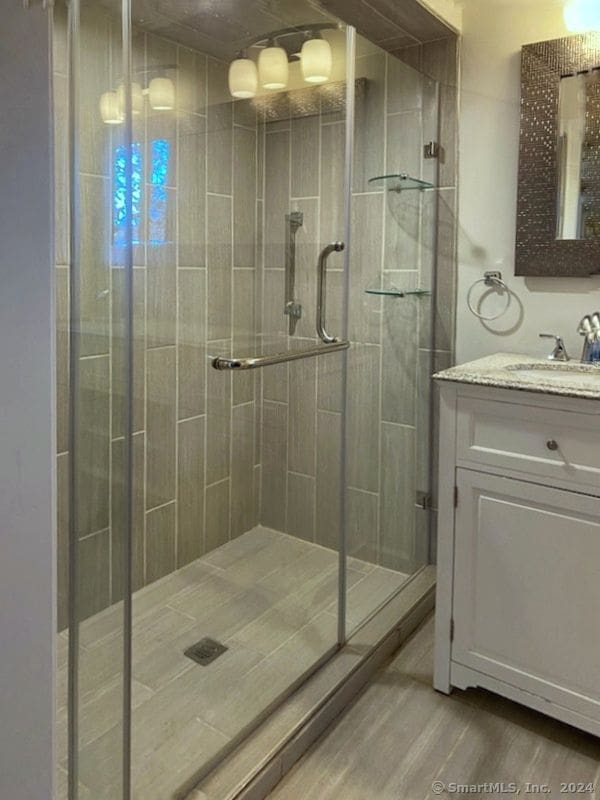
{"x": 582, "y": 15}
{"x": 161, "y": 93}
{"x": 243, "y": 78}
{"x": 273, "y": 69}
{"x": 316, "y": 61}
{"x": 137, "y": 99}
{"x": 110, "y": 109}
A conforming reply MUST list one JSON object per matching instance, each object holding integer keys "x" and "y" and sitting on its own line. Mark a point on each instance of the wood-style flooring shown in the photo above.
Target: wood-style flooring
{"x": 400, "y": 737}
{"x": 271, "y": 599}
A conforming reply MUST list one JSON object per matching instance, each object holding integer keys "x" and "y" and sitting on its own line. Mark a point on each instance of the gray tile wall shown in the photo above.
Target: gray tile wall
{"x": 406, "y": 239}
{"x": 214, "y": 454}
{"x": 194, "y": 298}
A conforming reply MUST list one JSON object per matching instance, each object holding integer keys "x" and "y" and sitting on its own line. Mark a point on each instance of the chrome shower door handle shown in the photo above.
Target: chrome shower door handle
{"x": 334, "y": 247}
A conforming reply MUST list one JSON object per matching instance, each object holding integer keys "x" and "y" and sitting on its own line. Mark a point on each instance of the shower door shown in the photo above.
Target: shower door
{"x": 208, "y": 289}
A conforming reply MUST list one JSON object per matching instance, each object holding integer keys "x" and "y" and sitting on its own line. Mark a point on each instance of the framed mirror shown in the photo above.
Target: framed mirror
{"x": 558, "y": 209}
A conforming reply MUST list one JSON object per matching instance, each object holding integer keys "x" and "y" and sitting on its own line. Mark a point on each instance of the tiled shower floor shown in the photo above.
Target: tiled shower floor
{"x": 270, "y": 598}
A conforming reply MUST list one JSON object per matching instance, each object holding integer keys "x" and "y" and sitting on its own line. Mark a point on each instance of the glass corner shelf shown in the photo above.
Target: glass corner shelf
{"x": 393, "y": 292}
{"x": 399, "y": 182}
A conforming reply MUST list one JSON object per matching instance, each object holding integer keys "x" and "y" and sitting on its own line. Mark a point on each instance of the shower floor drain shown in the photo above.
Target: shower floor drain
{"x": 205, "y": 651}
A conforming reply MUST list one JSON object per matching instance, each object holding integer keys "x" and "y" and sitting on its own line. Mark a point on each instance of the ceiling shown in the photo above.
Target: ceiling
{"x": 222, "y": 27}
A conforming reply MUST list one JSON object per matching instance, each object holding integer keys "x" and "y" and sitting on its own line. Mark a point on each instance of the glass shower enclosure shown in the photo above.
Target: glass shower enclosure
{"x": 245, "y": 278}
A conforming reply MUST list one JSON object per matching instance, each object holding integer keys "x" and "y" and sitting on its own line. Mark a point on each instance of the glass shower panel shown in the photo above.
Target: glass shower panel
{"x": 237, "y": 472}
{"x": 93, "y": 399}
{"x": 392, "y": 280}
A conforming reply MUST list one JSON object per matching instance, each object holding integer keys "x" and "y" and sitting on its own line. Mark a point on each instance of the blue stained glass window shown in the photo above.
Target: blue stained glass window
{"x": 157, "y": 212}
{"x": 120, "y": 214}
{"x": 158, "y": 179}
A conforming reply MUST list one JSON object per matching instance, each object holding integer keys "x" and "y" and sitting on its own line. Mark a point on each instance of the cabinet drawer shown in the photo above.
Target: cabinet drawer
{"x": 552, "y": 444}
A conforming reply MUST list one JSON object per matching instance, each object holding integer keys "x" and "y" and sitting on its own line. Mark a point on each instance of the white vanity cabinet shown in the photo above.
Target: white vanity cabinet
{"x": 518, "y": 597}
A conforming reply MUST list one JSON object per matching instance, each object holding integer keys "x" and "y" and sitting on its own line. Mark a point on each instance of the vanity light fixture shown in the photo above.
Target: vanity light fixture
{"x": 582, "y": 15}
{"x": 316, "y": 60}
{"x": 302, "y": 43}
{"x": 273, "y": 68}
{"x": 160, "y": 94}
{"x": 243, "y": 77}
{"x": 110, "y": 109}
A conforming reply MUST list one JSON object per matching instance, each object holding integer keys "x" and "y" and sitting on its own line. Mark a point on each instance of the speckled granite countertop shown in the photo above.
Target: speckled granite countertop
{"x": 570, "y": 379}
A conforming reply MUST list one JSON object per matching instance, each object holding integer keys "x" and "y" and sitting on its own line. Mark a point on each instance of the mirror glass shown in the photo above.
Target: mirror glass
{"x": 579, "y": 156}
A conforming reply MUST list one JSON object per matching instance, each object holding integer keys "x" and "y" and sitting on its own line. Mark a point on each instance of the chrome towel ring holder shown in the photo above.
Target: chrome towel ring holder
{"x": 493, "y": 280}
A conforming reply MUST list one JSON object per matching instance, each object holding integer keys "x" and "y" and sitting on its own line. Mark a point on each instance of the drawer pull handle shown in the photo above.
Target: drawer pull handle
{"x": 552, "y": 444}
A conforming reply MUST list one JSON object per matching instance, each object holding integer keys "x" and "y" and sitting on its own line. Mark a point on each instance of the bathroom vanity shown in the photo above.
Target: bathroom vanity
{"x": 518, "y": 595}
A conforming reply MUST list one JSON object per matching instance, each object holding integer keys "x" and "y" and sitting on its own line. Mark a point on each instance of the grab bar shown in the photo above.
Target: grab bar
{"x": 335, "y": 247}
{"x": 255, "y": 362}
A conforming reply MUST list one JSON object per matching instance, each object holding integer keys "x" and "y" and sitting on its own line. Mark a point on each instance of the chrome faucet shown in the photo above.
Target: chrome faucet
{"x": 559, "y": 353}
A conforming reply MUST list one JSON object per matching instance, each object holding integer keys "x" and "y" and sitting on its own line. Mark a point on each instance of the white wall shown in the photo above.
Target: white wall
{"x": 493, "y": 33}
{"x": 27, "y": 548}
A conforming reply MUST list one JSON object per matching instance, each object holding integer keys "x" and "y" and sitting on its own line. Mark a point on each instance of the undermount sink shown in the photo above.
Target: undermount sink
{"x": 559, "y": 372}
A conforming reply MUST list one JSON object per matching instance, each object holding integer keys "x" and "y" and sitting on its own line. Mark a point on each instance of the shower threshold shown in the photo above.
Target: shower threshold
{"x": 269, "y": 598}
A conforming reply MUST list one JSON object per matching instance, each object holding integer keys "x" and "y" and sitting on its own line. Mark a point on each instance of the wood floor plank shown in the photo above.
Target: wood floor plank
{"x": 411, "y": 736}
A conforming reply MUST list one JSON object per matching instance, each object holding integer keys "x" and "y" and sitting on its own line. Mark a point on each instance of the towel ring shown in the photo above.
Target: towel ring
{"x": 490, "y": 279}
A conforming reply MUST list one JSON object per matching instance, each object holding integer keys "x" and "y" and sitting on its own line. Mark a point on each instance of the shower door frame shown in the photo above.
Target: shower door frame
{"x": 75, "y": 334}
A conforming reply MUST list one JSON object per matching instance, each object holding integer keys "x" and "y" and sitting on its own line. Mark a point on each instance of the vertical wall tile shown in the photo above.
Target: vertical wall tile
{"x": 445, "y": 275}
{"x": 274, "y": 329}
{"x": 94, "y": 62}
{"x": 94, "y": 574}
{"x": 118, "y": 515}
{"x": 397, "y": 501}
{"x": 400, "y": 351}
{"x": 161, "y": 416}
{"x": 362, "y": 525}
{"x": 219, "y": 263}
{"x": 192, "y": 342}
{"x": 60, "y": 88}
{"x": 364, "y": 388}
{"x": 307, "y": 256}
{"x": 119, "y": 344}
{"x": 302, "y": 416}
{"x": 329, "y": 436}
{"x": 369, "y": 128}
{"x": 217, "y": 514}
{"x": 161, "y": 278}
{"x": 94, "y": 270}
{"x": 274, "y": 465}
{"x": 62, "y": 549}
{"x": 93, "y": 439}
{"x": 190, "y": 490}
{"x": 244, "y": 196}
{"x": 62, "y": 359}
{"x": 404, "y": 87}
{"x": 330, "y": 373}
{"x": 332, "y": 182}
{"x": 244, "y": 331}
{"x": 191, "y": 86}
{"x": 304, "y": 155}
{"x": 301, "y": 506}
{"x": 218, "y": 432}
{"x": 160, "y": 542}
{"x": 219, "y": 129}
{"x": 243, "y": 507}
{"x": 365, "y": 267}
{"x": 277, "y": 196}
{"x": 191, "y": 196}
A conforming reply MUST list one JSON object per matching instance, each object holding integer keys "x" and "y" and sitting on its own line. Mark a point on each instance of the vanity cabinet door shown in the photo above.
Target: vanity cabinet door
{"x": 526, "y": 597}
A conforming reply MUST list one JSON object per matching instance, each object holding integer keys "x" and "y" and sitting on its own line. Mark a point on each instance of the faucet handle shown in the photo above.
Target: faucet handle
{"x": 559, "y": 352}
